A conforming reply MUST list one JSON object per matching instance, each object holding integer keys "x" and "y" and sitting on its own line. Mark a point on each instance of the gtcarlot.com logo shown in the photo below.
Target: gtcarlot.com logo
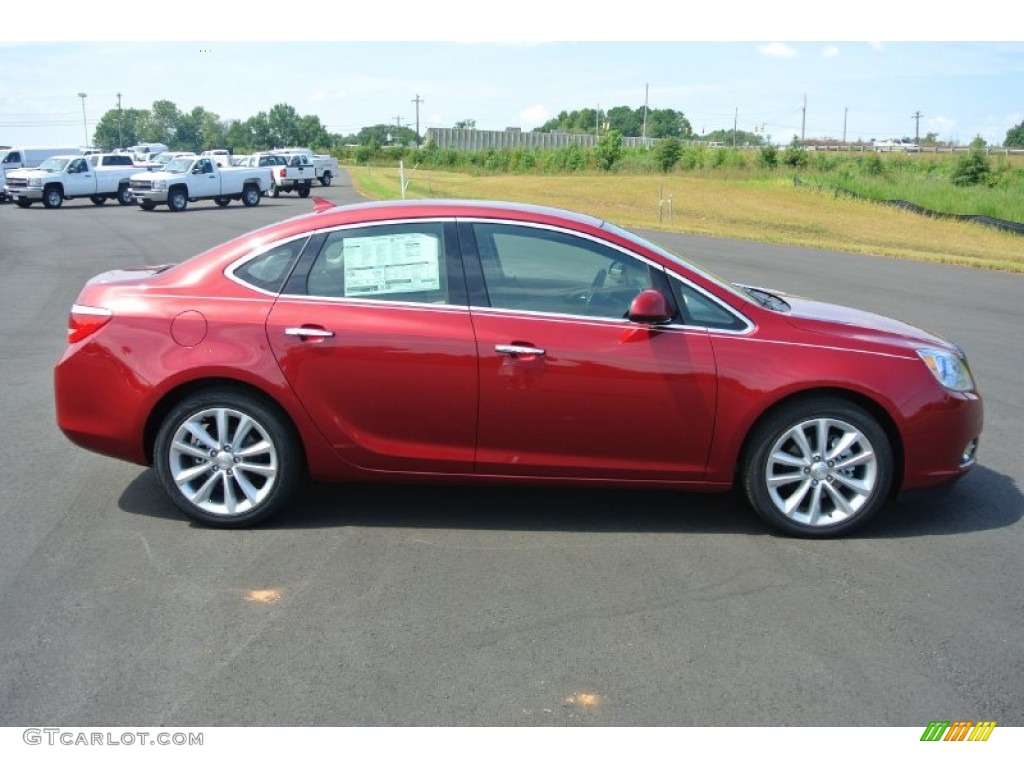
{"x": 958, "y": 730}
{"x": 69, "y": 738}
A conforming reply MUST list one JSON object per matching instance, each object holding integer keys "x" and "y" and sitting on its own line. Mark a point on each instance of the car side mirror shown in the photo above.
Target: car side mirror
{"x": 650, "y": 307}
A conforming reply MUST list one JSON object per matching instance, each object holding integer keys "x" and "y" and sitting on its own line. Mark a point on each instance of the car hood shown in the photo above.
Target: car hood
{"x": 825, "y": 318}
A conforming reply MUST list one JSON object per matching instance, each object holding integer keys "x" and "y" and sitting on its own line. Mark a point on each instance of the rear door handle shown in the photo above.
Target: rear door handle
{"x": 306, "y": 332}
{"x": 516, "y": 349}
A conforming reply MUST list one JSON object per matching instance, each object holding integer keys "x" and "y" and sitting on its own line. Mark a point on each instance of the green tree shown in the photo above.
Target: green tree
{"x": 162, "y": 125}
{"x": 628, "y": 122}
{"x": 608, "y": 150}
{"x": 667, "y": 153}
{"x": 1015, "y": 136}
{"x": 972, "y": 169}
{"x": 665, "y": 123}
{"x": 467, "y": 124}
{"x": 768, "y": 157}
{"x": 795, "y": 155}
{"x": 119, "y": 128}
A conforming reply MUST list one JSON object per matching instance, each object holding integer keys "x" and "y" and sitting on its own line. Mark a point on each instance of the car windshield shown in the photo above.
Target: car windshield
{"x": 179, "y": 164}
{"x": 55, "y": 164}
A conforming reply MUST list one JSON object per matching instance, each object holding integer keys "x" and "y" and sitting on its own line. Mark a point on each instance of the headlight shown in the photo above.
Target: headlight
{"x": 160, "y": 184}
{"x": 35, "y": 182}
{"x": 950, "y": 369}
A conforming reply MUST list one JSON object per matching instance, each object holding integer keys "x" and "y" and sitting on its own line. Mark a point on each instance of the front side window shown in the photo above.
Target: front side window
{"x": 540, "y": 270}
{"x": 395, "y": 262}
{"x": 699, "y": 309}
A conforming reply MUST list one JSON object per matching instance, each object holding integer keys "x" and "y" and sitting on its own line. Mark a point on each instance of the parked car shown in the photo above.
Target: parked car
{"x": 189, "y": 179}
{"x": 325, "y": 167}
{"x": 12, "y": 158}
{"x": 500, "y": 343}
{"x": 65, "y": 177}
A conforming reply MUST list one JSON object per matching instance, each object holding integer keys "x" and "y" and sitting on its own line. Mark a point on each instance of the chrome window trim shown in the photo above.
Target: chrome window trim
{"x": 749, "y": 324}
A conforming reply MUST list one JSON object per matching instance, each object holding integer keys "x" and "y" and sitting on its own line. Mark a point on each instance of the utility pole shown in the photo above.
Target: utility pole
{"x": 803, "y": 121}
{"x": 85, "y": 126}
{"x": 417, "y": 101}
{"x": 120, "y": 138}
{"x": 647, "y": 93}
{"x": 917, "y": 129}
{"x": 735, "y": 120}
{"x": 845, "y": 111}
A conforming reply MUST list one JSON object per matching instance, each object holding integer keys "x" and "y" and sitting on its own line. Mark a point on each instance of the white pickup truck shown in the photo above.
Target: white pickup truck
{"x": 325, "y": 167}
{"x": 66, "y": 177}
{"x": 291, "y": 173}
{"x": 187, "y": 179}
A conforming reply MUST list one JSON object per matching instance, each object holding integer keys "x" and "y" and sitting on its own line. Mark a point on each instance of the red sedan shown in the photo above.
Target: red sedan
{"x": 501, "y": 343}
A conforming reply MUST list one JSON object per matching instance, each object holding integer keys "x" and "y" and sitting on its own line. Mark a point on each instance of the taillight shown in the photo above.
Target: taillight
{"x": 284, "y": 173}
{"x": 85, "y": 321}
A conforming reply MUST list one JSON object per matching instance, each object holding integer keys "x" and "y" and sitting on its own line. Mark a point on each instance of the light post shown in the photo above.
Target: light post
{"x": 85, "y": 127}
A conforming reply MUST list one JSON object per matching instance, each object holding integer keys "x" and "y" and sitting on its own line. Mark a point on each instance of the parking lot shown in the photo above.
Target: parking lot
{"x": 401, "y": 605}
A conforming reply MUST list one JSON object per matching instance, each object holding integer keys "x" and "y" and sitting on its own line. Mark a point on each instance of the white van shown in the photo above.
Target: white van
{"x": 28, "y": 157}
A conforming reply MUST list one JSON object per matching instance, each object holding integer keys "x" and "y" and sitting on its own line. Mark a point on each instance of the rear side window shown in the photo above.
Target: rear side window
{"x": 396, "y": 262}
{"x": 269, "y": 270}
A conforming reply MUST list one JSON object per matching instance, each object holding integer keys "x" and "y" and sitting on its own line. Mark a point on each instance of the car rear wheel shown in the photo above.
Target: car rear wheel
{"x": 124, "y": 195}
{"x": 304, "y": 190}
{"x": 818, "y": 468}
{"x": 23, "y": 203}
{"x": 222, "y": 201}
{"x": 98, "y": 199}
{"x": 325, "y": 180}
{"x": 227, "y": 459}
{"x": 250, "y": 196}
{"x": 147, "y": 205}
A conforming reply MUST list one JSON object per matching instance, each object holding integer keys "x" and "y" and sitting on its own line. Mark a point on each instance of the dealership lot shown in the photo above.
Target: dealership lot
{"x": 376, "y": 605}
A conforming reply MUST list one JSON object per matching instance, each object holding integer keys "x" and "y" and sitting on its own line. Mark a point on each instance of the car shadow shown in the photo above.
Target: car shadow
{"x": 985, "y": 500}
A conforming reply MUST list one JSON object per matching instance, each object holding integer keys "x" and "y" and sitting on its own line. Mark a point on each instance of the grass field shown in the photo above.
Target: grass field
{"x": 769, "y": 210}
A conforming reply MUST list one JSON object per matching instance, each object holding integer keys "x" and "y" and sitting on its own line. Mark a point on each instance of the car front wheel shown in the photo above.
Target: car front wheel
{"x": 818, "y": 468}
{"x": 227, "y": 459}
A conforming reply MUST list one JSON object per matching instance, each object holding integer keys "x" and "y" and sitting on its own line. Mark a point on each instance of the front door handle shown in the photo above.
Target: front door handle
{"x": 322, "y": 333}
{"x": 515, "y": 350}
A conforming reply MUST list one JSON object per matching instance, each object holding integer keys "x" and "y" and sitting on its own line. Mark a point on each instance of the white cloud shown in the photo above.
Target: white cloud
{"x": 830, "y": 52}
{"x": 538, "y": 114}
{"x": 778, "y": 51}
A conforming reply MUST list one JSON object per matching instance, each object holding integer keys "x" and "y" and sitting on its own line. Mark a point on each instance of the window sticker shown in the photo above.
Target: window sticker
{"x": 391, "y": 264}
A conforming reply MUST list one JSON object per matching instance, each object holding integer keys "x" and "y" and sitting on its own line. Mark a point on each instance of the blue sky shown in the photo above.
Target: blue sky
{"x": 962, "y": 89}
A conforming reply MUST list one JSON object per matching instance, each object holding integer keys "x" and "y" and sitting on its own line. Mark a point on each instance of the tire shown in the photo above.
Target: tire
{"x": 124, "y": 195}
{"x": 147, "y": 205}
{"x": 222, "y": 201}
{"x": 818, "y": 468}
{"x": 274, "y": 191}
{"x": 98, "y": 199}
{"x": 23, "y": 203}
{"x": 325, "y": 180}
{"x": 251, "y": 196}
{"x": 177, "y": 199}
{"x": 219, "y": 484}
{"x": 304, "y": 190}
{"x": 53, "y": 197}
